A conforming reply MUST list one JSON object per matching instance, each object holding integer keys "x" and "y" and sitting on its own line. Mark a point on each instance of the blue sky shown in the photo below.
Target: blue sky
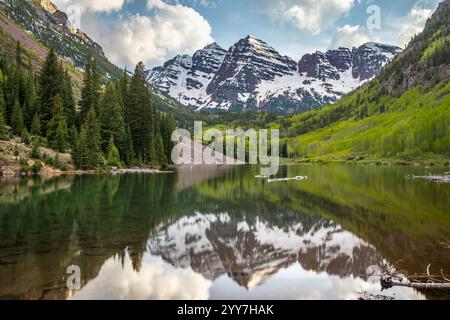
{"x": 156, "y": 30}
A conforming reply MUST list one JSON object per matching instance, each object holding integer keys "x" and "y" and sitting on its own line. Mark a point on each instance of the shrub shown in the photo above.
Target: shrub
{"x": 37, "y": 167}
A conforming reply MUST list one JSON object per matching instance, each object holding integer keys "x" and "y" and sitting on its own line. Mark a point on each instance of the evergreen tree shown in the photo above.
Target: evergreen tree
{"x": 167, "y": 128}
{"x": 62, "y": 137}
{"x": 3, "y": 131}
{"x": 122, "y": 91}
{"x": 113, "y": 156}
{"x": 160, "y": 151}
{"x": 29, "y": 103}
{"x": 68, "y": 100}
{"x": 76, "y": 150}
{"x": 89, "y": 144}
{"x": 139, "y": 114}
{"x": 36, "y": 126}
{"x": 18, "y": 55}
{"x": 91, "y": 88}
{"x": 73, "y": 136}
{"x": 111, "y": 119}
{"x": 35, "y": 152}
{"x": 50, "y": 85}
{"x": 152, "y": 156}
{"x": 17, "y": 122}
{"x": 25, "y": 136}
{"x": 57, "y": 132}
{"x": 128, "y": 152}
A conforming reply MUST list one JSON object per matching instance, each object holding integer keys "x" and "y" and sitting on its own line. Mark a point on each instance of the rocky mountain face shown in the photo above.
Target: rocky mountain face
{"x": 52, "y": 27}
{"x": 252, "y": 75}
{"x": 251, "y": 249}
{"x": 425, "y": 61}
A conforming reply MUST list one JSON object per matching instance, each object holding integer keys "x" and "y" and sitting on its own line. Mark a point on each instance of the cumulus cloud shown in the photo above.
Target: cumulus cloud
{"x": 169, "y": 30}
{"x": 396, "y": 30}
{"x": 91, "y": 5}
{"x": 411, "y": 24}
{"x": 351, "y": 36}
{"x": 310, "y": 15}
{"x": 156, "y": 280}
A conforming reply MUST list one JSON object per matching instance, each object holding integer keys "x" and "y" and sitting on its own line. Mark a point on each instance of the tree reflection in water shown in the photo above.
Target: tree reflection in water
{"x": 225, "y": 234}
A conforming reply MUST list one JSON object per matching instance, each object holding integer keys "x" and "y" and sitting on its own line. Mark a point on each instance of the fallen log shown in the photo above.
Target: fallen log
{"x": 388, "y": 282}
{"x": 444, "y": 178}
{"x": 298, "y": 178}
{"x": 137, "y": 170}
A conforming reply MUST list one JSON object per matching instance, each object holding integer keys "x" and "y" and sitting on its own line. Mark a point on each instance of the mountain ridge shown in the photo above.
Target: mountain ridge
{"x": 403, "y": 114}
{"x": 253, "y": 76}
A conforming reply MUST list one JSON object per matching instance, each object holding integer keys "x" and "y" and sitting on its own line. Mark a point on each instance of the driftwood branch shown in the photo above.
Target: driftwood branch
{"x": 388, "y": 282}
{"x": 392, "y": 278}
{"x": 435, "y": 178}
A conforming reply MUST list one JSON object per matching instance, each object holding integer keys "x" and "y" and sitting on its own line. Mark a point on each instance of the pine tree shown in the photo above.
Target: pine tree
{"x": 57, "y": 133}
{"x": 89, "y": 145}
{"x": 122, "y": 91}
{"x": 73, "y": 136}
{"x": 128, "y": 152}
{"x": 152, "y": 157}
{"x": 167, "y": 128}
{"x": 160, "y": 152}
{"x": 18, "y": 55}
{"x": 3, "y": 131}
{"x": 25, "y": 136}
{"x": 62, "y": 137}
{"x": 139, "y": 113}
{"x": 76, "y": 150}
{"x": 113, "y": 156}
{"x": 35, "y": 152}
{"x": 68, "y": 100}
{"x": 36, "y": 126}
{"x": 17, "y": 122}
{"x": 30, "y": 103}
{"x": 50, "y": 85}
{"x": 91, "y": 88}
{"x": 111, "y": 119}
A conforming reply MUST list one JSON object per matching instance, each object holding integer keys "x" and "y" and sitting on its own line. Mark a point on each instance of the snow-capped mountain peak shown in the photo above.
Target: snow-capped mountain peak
{"x": 252, "y": 75}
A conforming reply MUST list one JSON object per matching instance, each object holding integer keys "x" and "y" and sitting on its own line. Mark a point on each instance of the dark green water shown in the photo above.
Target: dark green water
{"x": 208, "y": 233}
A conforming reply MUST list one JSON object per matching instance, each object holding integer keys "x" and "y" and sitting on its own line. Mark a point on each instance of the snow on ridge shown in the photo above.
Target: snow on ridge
{"x": 210, "y": 237}
{"x": 251, "y": 70}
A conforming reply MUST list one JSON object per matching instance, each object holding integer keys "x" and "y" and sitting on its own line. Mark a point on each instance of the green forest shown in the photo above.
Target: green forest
{"x": 116, "y": 123}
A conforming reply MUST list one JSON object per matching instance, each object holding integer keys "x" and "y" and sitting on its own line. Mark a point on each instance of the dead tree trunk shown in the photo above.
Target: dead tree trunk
{"x": 388, "y": 282}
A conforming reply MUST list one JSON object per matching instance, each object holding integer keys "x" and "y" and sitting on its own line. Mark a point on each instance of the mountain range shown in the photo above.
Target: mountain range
{"x": 404, "y": 113}
{"x": 252, "y": 249}
{"x": 252, "y": 75}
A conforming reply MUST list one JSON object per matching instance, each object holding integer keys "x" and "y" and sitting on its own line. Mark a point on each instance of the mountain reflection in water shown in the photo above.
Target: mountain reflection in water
{"x": 221, "y": 234}
{"x": 228, "y": 257}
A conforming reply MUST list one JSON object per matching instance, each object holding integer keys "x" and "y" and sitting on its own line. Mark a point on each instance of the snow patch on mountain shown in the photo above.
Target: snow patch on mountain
{"x": 252, "y": 75}
{"x": 251, "y": 249}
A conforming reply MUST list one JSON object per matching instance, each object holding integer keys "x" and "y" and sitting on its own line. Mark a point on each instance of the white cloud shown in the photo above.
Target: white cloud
{"x": 396, "y": 30}
{"x": 411, "y": 24}
{"x": 170, "y": 30}
{"x": 156, "y": 280}
{"x": 311, "y": 15}
{"x": 91, "y": 5}
{"x": 351, "y": 36}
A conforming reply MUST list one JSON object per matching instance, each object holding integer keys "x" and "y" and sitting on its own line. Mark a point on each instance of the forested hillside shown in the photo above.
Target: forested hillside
{"x": 404, "y": 113}
{"x": 114, "y": 124}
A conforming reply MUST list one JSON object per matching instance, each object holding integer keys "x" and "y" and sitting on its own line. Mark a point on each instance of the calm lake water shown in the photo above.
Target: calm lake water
{"x": 220, "y": 233}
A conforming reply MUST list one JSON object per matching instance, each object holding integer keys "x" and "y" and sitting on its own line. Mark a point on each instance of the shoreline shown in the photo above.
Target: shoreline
{"x": 172, "y": 169}
{"x": 58, "y": 173}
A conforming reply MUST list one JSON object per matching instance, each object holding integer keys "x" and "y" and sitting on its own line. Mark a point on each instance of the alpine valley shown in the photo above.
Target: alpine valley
{"x": 92, "y": 205}
{"x": 252, "y": 75}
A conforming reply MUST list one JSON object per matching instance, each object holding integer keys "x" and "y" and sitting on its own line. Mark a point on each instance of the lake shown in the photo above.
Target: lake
{"x": 221, "y": 233}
